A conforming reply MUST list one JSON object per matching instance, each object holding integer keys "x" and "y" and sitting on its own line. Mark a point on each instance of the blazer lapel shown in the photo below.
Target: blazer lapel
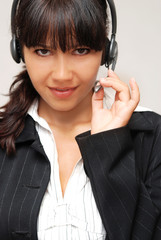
{"x": 29, "y": 133}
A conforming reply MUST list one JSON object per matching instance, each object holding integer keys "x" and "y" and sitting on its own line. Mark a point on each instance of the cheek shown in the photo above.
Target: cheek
{"x": 89, "y": 72}
{"x": 36, "y": 74}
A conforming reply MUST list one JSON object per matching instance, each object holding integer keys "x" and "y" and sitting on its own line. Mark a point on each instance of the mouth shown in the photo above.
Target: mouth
{"x": 63, "y": 92}
{"x": 63, "y": 89}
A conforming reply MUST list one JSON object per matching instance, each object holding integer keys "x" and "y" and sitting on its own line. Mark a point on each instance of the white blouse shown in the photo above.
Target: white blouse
{"x": 74, "y": 216}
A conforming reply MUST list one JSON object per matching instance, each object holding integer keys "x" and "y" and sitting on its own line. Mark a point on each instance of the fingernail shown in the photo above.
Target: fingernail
{"x": 110, "y": 71}
{"x": 133, "y": 80}
{"x": 103, "y": 79}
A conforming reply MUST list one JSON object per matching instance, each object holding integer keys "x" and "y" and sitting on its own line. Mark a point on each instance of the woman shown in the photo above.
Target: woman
{"x": 69, "y": 168}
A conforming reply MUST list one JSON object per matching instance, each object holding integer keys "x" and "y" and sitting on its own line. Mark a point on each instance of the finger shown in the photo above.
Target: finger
{"x": 112, "y": 74}
{"x": 135, "y": 93}
{"x": 113, "y": 77}
{"x": 121, "y": 88}
{"x": 97, "y": 100}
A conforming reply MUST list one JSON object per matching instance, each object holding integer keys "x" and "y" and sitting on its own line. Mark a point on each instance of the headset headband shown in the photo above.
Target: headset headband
{"x": 14, "y": 9}
{"x": 113, "y": 16}
{"x": 110, "y": 3}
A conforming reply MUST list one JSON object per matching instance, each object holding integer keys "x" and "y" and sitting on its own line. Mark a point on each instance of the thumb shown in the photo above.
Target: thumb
{"x": 97, "y": 100}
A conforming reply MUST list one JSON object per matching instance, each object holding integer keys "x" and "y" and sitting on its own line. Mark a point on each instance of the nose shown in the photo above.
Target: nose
{"x": 62, "y": 70}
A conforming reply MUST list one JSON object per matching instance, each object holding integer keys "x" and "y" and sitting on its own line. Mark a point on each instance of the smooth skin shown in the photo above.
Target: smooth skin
{"x": 65, "y": 83}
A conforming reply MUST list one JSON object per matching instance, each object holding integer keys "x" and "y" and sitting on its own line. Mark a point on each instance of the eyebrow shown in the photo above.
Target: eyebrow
{"x": 42, "y": 45}
{"x": 49, "y": 47}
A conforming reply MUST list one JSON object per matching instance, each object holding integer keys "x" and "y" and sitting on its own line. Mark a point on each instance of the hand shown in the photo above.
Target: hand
{"x": 124, "y": 105}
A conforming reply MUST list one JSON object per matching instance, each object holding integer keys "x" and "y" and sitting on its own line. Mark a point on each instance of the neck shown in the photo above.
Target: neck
{"x": 77, "y": 119}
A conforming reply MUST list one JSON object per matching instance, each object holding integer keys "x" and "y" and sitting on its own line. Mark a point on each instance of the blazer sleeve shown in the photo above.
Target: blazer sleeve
{"x": 152, "y": 150}
{"x": 152, "y": 178}
{"x": 109, "y": 161}
{"x": 129, "y": 203}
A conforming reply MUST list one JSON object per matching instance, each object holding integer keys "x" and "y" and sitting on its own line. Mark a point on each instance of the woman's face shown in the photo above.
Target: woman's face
{"x": 64, "y": 81}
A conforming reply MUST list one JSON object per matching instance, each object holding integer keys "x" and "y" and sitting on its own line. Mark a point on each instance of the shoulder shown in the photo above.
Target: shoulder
{"x": 145, "y": 121}
{"x": 27, "y": 135}
{"x": 152, "y": 117}
{"x": 146, "y": 134}
{"x": 146, "y": 128}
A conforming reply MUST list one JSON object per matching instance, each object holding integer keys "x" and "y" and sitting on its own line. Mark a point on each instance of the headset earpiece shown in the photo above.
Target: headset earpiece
{"x": 110, "y": 53}
{"x": 15, "y": 46}
{"x": 113, "y": 53}
{"x": 15, "y": 49}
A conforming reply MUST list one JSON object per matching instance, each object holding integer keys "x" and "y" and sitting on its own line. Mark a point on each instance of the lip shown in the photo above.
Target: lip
{"x": 62, "y": 92}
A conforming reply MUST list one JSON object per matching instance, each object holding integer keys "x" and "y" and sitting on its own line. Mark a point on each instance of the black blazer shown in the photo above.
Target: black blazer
{"x": 123, "y": 165}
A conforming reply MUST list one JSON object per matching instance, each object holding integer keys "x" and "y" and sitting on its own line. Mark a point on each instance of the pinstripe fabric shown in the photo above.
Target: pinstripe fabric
{"x": 21, "y": 179}
{"x": 125, "y": 185}
{"x": 124, "y": 169}
{"x": 74, "y": 216}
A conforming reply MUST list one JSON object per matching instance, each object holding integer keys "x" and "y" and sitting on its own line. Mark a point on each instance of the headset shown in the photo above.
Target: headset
{"x": 111, "y": 51}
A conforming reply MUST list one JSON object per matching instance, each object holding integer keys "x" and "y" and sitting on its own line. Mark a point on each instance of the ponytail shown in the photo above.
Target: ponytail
{"x": 12, "y": 114}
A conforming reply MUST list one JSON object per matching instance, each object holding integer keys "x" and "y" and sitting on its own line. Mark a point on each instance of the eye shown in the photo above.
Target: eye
{"x": 81, "y": 51}
{"x": 43, "y": 52}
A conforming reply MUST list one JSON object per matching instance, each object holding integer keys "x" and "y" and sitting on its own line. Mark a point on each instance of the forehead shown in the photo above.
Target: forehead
{"x": 64, "y": 25}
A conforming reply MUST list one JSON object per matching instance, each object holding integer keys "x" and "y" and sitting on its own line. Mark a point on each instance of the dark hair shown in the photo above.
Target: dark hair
{"x": 66, "y": 24}
{"x": 62, "y": 22}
